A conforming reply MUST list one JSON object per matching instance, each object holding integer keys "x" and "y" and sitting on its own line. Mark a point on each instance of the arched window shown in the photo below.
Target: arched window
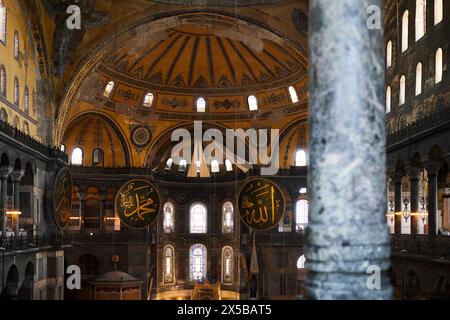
{"x": 388, "y": 99}
{"x": 16, "y": 92}
{"x": 301, "y": 262}
{"x": 26, "y": 128}
{"x": 303, "y": 191}
{"x": 389, "y": 54}
{"x": 197, "y": 262}
{"x": 402, "y": 96}
{"x": 148, "y": 100}
{"x": 16, "y": 123}
{"x": 169, "y": 164}
{"x": 183, "y": 165}
{"x": 252, "y": 103}
{"x": 2, "y": 80}
{"x": 2, "y": 22}
{"x": 16, "y": 45}
{"x": 26, "y": 100}
{"x": 62, "y": 148}
{"x": 228, "y": 165}
{"x": 98, "y": 157}
{"x": 169, "y": 214}
{"x": 227, "y": 265}
{"x": 438, "y": 11}
{"x": 198, "y": 218}
{"x": 169, "y": 266}
{"x": 215, "y": 166}
{"x": 301, "y": 214}
{"x": 300, "y": 158}
{"x": 227, "y": 217}
{"x": 419, "y": 79}
{"x": 108, "y": 89}
{"x": 3, "y": 115}
{"x": 438, "y": 65}
{"x": 293, "y": 94}
{"x": 201, "y": 104}
{"x": 421, "y": 18}
{"x": 77, "y": 157}
{"x": 405, "y": 23}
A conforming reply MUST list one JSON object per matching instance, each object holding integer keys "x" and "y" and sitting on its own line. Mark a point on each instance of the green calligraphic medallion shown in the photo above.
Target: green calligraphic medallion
{"x": 137, "y": 204}
{"x": 261, "y": 204}
{"x": 62, "y": 198}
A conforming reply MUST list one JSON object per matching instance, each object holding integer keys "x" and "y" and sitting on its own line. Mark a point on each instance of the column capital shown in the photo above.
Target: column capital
{"x": 413, "y": 172}
{"x": 16, "y": 175}
{"x": 397, "y": 176}
{"x": 5, "y": 171}
{"x": 432, "y": 167}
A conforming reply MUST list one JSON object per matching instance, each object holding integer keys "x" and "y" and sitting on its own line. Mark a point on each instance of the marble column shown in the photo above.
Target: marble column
{"x": 102, "y": 209}
{"x": 432, "y": 174}
{"x": 398, "y": 201}
{"x": 414, "y": 178}
{"x": 16, "y": 176}
{"x": 82, "y": 197}
{"x": 4, "y": 174}
{"x": 347, "y": 240}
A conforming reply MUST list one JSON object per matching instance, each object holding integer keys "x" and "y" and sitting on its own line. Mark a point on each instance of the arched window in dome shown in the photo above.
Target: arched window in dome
{"x": 26, "y": 128}
{"x": 98, "y": 157}
{"x": 215, "y": 166}
{"x": 405, "y": 35}
{"x": 2, "y": 22}
{"x": 77, "y": 157}
{"x": 16, "y": 45}
{"x": 182, "y": 166}
{"x": 438, "y": 11}
{"x": 169, "y": 265}
{"x": 3, "y": 115}
{"x": 227, "y": 217}
{"x": 227, "y": 265}
{"x": 388, "y": 99}
{"x": 201, "y": 105}
{"x": 108, "y": 89}
{"x": 389, "y": 55}
{"x": 16, "y": 123}
{"x": 169, "y": 215}
{"x": 293, "y": 94}
{"x": 26, "y": 100}
{"x": 16, "y": 92}
{"x": 252, "y": 103}
{"x": 438, "y": 65}
{"x": 402, "y": 95}
{"x": 169, "y": 164}
{"x": 148, "y": 100}
{"x": 197, "y": 262}
{"x": 198, "y": 218}
{"x": 300, "y": 158}
{"x": 303, "y": 191}
{"x": 301, "y": 215}
{"x": 3, "y": 83}
{"x": 419, "y": 79}
{"x": 62, "y": 148}
{"x": 301, "y": 262}
{"x": 228, "y": 165}
{"x": 421, "y": 18}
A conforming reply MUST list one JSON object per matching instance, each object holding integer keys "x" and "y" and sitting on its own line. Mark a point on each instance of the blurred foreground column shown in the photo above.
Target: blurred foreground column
{"x": 348, "y": 244}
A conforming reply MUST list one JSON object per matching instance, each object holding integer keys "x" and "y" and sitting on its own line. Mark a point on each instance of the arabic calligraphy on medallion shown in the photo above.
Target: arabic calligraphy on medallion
{"x": 261, "y": 204}
{"x": 62, "y": 198}
{"x": 137, "y": 204}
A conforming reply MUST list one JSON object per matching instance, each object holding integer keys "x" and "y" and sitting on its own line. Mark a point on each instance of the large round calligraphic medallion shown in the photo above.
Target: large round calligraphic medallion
{"x": 137, "y": 204}
{"x": 62, "y": 198}
{"x": 261, "y": 204}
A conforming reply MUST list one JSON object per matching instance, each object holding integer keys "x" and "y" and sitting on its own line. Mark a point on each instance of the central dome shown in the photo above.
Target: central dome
{"x": 206, "y": 56}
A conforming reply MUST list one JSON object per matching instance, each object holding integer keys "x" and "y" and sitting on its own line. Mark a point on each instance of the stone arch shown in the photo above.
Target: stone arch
{"x": 26, "y": 289}
{"x": 10, "y": 291}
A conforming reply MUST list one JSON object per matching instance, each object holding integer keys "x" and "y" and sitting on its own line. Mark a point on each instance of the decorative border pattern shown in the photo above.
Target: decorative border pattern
{"x": 220, "y": 3}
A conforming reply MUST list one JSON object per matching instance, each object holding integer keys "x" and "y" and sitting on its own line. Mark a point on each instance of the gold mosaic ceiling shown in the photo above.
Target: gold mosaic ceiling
{"x": 203, "y": 56}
